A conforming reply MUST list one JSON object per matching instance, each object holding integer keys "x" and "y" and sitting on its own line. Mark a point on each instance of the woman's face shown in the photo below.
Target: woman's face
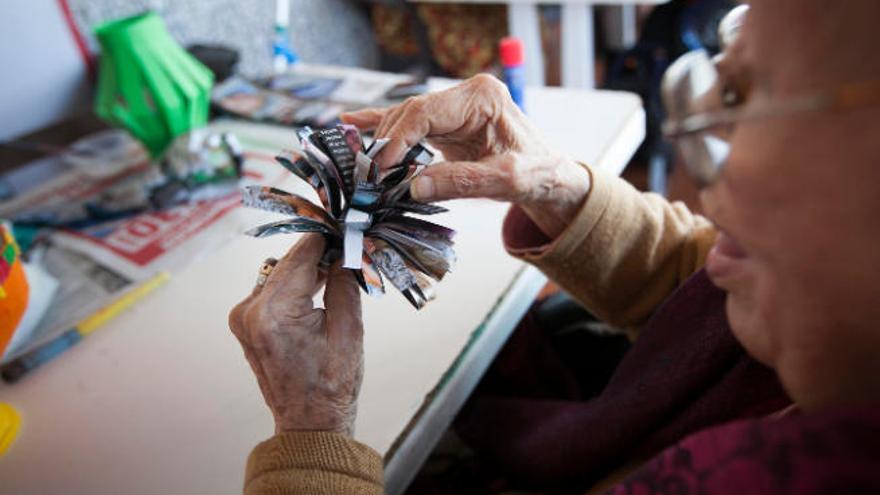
{"x": 797, "y": 205}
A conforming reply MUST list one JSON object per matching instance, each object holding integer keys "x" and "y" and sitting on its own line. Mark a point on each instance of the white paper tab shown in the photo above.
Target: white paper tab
{"x": 362, "y": 167}
{"x": 357, "y": 219}
{"x": 353, "y": 246}
{"x": 376, "y": 147}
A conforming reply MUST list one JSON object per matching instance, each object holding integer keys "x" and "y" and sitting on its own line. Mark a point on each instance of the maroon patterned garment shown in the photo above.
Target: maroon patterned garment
{"x": 836, "y": 452}
{"x": 684, "y": 374}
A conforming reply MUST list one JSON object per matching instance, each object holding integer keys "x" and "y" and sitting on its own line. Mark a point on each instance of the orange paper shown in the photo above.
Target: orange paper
{"x": 13, "y": 302}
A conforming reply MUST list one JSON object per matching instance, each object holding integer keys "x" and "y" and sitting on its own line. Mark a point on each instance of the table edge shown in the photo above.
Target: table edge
{"x": 416, "y": 442}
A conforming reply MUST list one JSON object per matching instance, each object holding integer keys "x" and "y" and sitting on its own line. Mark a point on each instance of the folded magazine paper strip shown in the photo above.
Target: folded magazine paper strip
{"x": 365, "y": 213}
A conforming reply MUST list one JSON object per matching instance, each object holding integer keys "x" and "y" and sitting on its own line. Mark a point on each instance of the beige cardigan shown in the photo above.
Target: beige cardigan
{"x": 623, "y": 254}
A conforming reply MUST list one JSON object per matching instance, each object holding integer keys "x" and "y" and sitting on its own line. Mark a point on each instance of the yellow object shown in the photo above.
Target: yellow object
{"x": 10, "y": 423}
{"x": 108, "y": 312}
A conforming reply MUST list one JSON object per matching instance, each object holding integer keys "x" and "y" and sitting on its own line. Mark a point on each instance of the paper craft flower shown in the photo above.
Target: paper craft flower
{"x": 365, "y": 212}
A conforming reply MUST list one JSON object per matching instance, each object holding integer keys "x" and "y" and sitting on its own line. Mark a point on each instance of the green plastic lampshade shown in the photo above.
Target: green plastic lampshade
{"x": 148, "y": 84}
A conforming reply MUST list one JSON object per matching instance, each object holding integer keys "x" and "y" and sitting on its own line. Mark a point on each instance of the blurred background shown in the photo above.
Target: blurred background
{"x": 127, "y": 127}
{"x": 51, "y": 48}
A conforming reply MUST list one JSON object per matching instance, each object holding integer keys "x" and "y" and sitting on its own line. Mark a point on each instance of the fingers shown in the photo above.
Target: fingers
{"x": 391, "y": 116}
{"x": 342, "y": 300}
{"x": 295, "y": 277}
{"x": 469, "y": 104}
{"x": 381, "y": 121}
{"x": 397, "y": 127}
{"x": 420, "y": 117}
{"x": 403, "y": 136}
{"x": 366, "y": 119}
{"x": 493, "y": 178}
{"x": 236, "y": 318}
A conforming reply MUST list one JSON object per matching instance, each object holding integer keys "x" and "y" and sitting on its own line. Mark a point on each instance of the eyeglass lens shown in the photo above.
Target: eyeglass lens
{"x": 693, "y": 86}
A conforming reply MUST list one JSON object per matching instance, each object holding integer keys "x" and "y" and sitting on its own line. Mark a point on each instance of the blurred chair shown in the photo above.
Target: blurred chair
{"x": 670, "y": 30}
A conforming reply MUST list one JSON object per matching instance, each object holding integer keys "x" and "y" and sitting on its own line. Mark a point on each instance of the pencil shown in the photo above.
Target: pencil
{"x": 14, "y": 370}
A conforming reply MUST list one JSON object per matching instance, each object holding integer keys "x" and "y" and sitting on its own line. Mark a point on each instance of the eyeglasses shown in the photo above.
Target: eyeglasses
{"x": 702, "y": 111}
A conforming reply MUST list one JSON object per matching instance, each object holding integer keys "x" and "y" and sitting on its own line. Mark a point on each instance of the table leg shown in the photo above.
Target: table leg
{"x": 578, "y": 52}
{"x": 524, "y": 22}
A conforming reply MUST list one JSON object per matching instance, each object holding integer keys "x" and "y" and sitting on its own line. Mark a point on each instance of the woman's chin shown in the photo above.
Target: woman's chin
{"x": 743, "y": 315}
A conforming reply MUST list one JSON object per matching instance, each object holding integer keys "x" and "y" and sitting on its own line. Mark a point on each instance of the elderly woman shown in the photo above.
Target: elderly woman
{"x": 790, "y": 247}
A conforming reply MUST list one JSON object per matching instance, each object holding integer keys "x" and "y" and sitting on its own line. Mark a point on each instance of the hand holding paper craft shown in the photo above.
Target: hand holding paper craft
{"x": 364, "y": 213}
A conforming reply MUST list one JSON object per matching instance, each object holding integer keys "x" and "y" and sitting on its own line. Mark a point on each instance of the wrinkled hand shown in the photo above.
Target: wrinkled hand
{"x": 308, "y": 361}
{"x": 491, "y": 148}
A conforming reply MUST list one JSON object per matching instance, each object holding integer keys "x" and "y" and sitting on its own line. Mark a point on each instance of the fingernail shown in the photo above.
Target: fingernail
{"x": 422, "y": 188}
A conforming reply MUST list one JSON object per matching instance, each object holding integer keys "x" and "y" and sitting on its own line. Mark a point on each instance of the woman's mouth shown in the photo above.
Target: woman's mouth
{"x": 725, "y": 259}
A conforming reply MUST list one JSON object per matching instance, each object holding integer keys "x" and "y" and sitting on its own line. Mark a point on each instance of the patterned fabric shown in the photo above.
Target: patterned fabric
{"x": 393, "y": 31}
{"x": 463, "y": 38}
{"x": 834, "y": 452}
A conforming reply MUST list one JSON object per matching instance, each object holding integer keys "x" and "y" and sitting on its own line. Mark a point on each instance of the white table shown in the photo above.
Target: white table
{"x": 578, "y": 51}
{"x": 163, "y": 401}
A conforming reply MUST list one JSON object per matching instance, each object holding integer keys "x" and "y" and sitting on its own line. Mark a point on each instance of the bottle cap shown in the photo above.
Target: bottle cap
{"x": 511, "y": 51}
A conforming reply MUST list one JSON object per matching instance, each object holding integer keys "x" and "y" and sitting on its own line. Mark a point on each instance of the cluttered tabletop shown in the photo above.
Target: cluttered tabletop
{"x": 130, "y": 245}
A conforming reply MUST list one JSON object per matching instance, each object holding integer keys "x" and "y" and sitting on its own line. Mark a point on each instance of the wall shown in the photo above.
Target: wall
{"x": 43, "y": 75}
{"x": 321, "y": 31}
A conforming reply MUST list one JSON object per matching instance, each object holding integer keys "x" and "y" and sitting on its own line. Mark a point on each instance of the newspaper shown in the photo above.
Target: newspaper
{"x": 96, "y": 264}
{"x": 299, "y": 97}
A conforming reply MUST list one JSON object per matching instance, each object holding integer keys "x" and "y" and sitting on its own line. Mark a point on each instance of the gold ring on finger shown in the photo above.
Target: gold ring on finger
{"x": 266, "y": 270}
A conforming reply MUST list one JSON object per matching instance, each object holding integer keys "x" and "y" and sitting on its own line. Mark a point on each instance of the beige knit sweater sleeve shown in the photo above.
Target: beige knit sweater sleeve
{"x": 624, "y": 253}
{"x": 313, "y": 462}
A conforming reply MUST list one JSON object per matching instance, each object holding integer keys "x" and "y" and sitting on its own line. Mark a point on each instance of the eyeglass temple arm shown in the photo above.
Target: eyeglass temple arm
{"x": 850, "y": 96}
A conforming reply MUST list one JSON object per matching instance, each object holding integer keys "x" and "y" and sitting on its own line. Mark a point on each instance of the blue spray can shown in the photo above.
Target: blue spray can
{"x": 510, "y": 50}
